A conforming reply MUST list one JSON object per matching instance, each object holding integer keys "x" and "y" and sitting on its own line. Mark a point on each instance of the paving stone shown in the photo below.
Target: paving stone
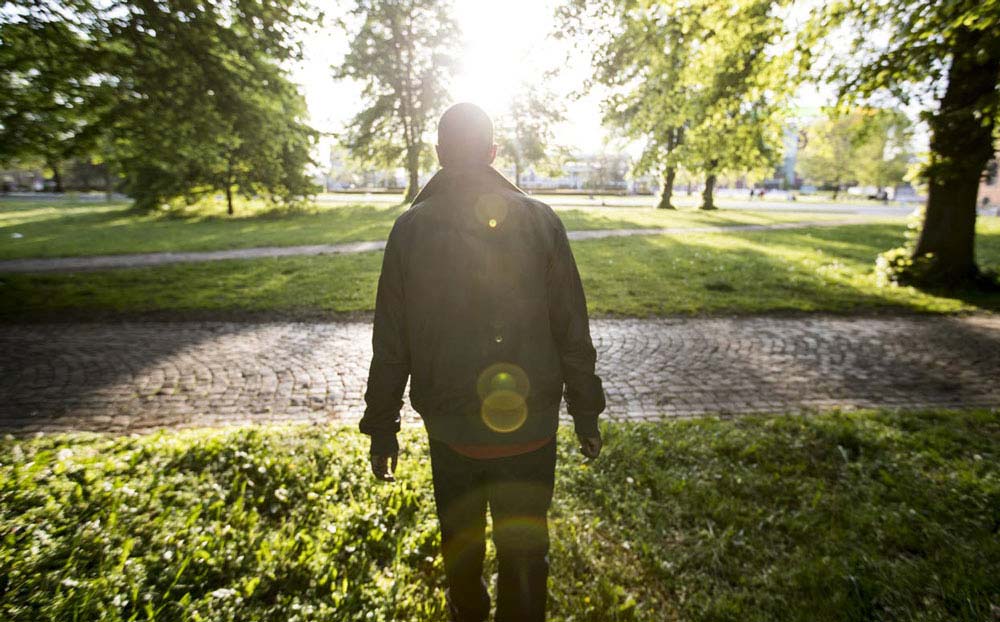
{"x": 127, "y": 377}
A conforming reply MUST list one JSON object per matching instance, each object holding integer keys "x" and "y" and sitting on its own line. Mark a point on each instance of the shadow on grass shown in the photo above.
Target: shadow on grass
{"x": 103, "y": 230}
{"x": 821, "y": 269}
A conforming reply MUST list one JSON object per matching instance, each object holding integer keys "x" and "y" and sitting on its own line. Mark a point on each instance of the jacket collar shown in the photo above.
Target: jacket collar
{"x": 467, "y": 176}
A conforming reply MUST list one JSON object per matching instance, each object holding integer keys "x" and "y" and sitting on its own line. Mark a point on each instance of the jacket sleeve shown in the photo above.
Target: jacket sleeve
{"x": 390, "y": 365}
{"x": 571, "y": 330}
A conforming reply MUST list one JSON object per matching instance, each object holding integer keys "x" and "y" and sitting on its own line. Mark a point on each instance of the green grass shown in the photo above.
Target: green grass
{"x": 867, "y": 516}
{"x": 805, "y": 270}
{"x": 81, "y": 228}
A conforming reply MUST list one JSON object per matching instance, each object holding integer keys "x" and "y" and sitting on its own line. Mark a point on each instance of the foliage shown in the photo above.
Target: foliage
{"x": 524, "y": 131}
{"x": 196, "y": 98}
{"x": 883, "y": 155}
{"x": 702, "y": 83}
{"x": 50, "y": 108}
{"x": 868, "y": 146}
{"x": 945, "y": 58}
{"x": 695, "y": 520}
{"x": 735, "y": 272}
{"x": 403, "y": 53}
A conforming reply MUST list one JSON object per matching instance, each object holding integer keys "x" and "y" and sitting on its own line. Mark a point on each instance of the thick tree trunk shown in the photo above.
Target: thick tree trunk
{"x": 668, "y": 188}
{"x": 708, "y": 196}
{"x": 961, "y": 146}
{"x": 229, "y": 198}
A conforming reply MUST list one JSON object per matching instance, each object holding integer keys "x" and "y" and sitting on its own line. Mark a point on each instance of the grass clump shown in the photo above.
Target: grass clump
{"x": 830, "y": 517}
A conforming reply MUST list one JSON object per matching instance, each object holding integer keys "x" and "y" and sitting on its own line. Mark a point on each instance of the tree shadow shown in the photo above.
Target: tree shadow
{"x": 117, "y": 230}
{"x": 128, "y": 377}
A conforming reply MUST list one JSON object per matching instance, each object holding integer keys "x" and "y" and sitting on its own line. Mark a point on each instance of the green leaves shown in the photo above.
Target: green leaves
{"x": 181, "y": 99}
{"x": 403, "y": 53}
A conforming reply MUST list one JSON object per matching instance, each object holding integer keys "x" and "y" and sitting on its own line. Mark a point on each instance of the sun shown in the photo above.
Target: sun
{"x": 503, "y": 49}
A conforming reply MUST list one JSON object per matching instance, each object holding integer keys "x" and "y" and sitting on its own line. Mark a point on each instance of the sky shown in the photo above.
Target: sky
{"x": 504, "y": 44}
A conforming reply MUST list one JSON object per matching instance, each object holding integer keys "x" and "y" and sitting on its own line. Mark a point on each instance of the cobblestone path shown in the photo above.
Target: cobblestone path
{"x": 141, "y": 376}
{"x": 145, "y": 260}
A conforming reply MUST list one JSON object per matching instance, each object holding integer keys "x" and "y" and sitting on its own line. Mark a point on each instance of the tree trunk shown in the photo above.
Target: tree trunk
{"x": 961, "y": 146}
{"x": 517, "y": 174}
{"x": 229, "y": 198}
{"x": 56, "y": 176}
{"x": 413, "y": 171}
{"x": 668, "y": 188}
{"x": 108, "y": 185}
{"x": 836, "y": 191}
{"x": 707, "y": 197}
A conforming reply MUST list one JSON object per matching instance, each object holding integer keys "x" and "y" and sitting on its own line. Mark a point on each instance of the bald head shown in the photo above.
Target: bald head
{"x": 465, "y": 137}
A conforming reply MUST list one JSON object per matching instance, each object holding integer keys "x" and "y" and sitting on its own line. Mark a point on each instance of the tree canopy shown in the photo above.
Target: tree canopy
{"x": 524, "y": 131}
{"x": 702, "y": 84}
{"x": 403, "y": 52}
{"x": 866, "y": 146}
{"x": 182, "y": 98}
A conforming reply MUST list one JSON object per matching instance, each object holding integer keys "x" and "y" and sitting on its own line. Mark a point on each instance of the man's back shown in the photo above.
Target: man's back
{"x": 486, "y": 302}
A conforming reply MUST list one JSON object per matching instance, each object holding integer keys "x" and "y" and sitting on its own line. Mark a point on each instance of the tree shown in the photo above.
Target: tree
{"x": 641, "y": 53}
{"x": 869, "y": 146}
{"x": 525, "y": 130}
{"x": 205, "y": 102}
{"x": 183, "y": 99}
{"x": 403, "y": 52}
{"x": 742, "y": 84}
{"x": 945, "y": 56}
{"x": 48, "y": 106}
{"x": 702, "y": 83}
{"x": 883, "y": 153}
{"x": 829, "y": 152}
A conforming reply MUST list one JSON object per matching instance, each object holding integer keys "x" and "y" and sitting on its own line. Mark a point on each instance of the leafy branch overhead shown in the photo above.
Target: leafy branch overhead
{"x": 403, "y": 54}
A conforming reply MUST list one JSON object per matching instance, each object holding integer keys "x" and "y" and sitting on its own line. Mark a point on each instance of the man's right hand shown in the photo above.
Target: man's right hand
{"x": 383, "y": 466}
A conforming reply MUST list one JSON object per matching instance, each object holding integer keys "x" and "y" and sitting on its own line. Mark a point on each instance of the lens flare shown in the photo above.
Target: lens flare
{"x": 503, "y": 389}
{"x": 491, "y": 210}
{"x": 504, "y": 411}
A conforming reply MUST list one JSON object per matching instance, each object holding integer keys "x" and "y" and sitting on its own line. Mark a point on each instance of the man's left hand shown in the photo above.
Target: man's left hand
{"x": 590, "y": 446}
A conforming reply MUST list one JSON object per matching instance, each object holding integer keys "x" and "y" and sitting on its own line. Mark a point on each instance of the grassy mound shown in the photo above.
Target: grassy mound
{"x": 829, "y": 517}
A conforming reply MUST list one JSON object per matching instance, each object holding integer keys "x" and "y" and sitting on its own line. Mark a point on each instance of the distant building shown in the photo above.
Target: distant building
{"x": 989, "y": 185}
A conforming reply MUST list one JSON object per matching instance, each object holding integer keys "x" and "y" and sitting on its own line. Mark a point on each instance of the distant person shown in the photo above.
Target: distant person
{"x": 480, "y": 305}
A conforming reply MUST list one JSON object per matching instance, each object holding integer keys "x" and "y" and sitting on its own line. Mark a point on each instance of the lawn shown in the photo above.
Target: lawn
{"x": 864, "y": 516}
{"x": 75, "y": 228}
{"x": 803, "y": 270}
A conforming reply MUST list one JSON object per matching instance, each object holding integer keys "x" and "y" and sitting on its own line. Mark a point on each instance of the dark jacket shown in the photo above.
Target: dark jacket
{"x": 477, "y": 274}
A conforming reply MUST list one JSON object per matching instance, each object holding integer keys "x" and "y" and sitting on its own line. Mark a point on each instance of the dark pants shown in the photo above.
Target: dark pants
{"x": 518, "y": 491}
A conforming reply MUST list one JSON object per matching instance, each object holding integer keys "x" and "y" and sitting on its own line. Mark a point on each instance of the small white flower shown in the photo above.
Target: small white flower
{"x": 64, "y": 453}
{"x": 70, "y": 583}
{"x": 630, "y": 480}
{"x": 168, "y": 554}
{"x": 223, "y": 592}
{"x": 281, "y": 494}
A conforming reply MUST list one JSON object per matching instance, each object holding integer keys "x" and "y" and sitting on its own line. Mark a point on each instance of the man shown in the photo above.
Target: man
{"x": 480, "y": 304}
